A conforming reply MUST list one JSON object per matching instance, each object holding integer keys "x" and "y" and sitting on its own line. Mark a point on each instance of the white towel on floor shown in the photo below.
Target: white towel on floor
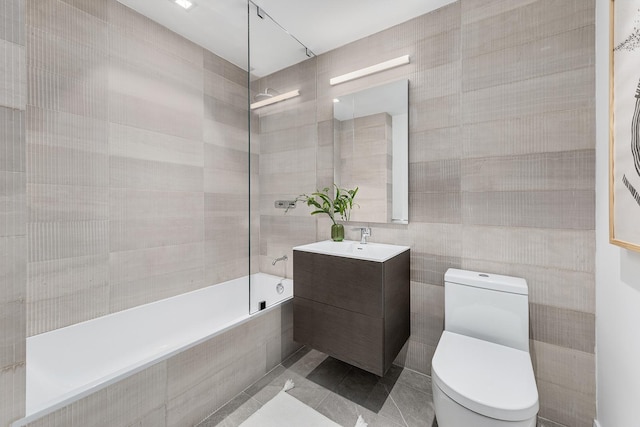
{"x": 287, "y": 411}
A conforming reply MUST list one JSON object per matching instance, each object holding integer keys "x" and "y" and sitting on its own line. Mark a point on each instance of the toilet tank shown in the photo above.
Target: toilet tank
{"x": 486, "y": 306}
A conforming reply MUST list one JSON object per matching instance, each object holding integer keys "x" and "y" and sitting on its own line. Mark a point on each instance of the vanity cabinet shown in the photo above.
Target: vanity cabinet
{"x": 352, "y": 309}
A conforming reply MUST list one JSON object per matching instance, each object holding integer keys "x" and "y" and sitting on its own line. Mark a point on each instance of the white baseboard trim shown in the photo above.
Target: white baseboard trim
{"x": 596, "y": 423}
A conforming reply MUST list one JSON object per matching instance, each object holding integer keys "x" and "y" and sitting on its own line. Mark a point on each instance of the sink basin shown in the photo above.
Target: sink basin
{"x": 378, "y": 252}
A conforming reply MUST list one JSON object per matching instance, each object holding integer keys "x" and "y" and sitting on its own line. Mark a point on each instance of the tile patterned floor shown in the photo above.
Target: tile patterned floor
{"x": 402, "y": 398}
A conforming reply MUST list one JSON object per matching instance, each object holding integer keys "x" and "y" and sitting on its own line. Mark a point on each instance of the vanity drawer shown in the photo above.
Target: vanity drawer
{"x": 346, "y": 283}
{"x": 351, "y": 337}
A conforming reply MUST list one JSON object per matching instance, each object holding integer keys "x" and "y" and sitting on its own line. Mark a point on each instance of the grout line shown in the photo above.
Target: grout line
{"x": 259, "y": 379}
{"x": 243, "y": 392}
{"x": 396, "y": 405}
{"x": 234, "y": 411}
{"x": 412, "y": 370}
{"x": 332, "y": 391}
{"x": 219, "y": 409}
{"x": 344, "y": 377}
{"x": 254, "y": 399}
{"x": 323, "y": 399}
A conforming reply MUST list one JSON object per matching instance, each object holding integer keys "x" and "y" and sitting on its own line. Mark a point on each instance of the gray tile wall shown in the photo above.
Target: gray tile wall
{"x": 128, "y": 184}
{"x": 287, "y": 137}
{"x": 501, "y": 171}
{"x": 528, "y": 72}
{"x": 13, "y": 209}
{"x": 137, "y": 159}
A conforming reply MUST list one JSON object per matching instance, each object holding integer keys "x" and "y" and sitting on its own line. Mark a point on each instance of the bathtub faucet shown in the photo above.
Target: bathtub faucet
{"x": 282, "y": 258}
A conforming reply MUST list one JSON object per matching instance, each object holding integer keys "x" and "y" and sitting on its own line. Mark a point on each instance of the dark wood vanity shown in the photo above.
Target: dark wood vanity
{"x": 355, "y": 310}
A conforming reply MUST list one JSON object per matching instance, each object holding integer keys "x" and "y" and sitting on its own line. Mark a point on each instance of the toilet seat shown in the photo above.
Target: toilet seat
{"x": 491, "y": 379}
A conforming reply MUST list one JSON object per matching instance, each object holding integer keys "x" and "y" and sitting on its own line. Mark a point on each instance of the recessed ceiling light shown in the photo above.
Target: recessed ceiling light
{"x": 336, "y": 100}
{"x": 186, "y": 4}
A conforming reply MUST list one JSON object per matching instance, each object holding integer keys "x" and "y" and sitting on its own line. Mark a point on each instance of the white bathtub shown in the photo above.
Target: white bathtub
{"x": 67, "y": 364}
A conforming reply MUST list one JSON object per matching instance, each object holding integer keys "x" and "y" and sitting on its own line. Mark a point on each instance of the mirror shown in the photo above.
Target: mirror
{"x": 371, "y": 151}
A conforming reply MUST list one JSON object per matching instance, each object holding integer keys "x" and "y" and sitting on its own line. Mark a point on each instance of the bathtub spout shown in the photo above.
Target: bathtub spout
{"x": 282, "y": 258}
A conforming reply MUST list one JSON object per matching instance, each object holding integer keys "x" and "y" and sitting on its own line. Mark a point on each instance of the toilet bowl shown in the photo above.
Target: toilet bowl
{"x": 479, "y": 383}
{"x": 482, "y": 374}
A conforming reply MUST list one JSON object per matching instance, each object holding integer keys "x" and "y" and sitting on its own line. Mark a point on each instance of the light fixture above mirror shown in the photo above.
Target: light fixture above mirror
{"x": 386, "y": 65}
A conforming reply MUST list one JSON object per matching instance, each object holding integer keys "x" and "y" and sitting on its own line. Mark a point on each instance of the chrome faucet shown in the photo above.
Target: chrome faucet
{"x": 364, "y": 233}
{"x": 282, "y": 258}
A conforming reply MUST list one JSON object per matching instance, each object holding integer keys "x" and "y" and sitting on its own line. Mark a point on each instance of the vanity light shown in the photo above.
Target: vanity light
{"x": 186, "y": 4}
{"x": 392, "y": 63}
{"x": 275, "y": 99}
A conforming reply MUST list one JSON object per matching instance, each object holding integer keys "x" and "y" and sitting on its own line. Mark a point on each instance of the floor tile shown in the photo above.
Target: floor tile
{"x": 236, "y": 411}
{"x": 266, "y": 380}
{"x": 304, "y": 361}
{"x": 383, "y": 404}
{"x": 330, "y": 373}
{"x": 415, "y": 406}
{"x": 543, "y": 422}
{"x": 308, "y": 392}
{"x": 241, "y": 414}
{"x": 358, "y": 386}
{"x": 407, "y": 377}
{"x": 402, "y": 398}
{"x": 267, "y": 391}
{"x": 345, "y": 412}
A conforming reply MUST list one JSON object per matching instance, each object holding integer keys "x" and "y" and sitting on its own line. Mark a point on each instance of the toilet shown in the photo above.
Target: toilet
{"x": 481, "y": 372}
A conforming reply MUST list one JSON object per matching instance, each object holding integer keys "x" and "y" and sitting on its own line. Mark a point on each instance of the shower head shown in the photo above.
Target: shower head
{"x": 268, "y": 93}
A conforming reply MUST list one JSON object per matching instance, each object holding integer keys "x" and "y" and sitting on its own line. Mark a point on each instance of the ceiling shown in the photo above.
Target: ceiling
{"x": 321, "y": 25}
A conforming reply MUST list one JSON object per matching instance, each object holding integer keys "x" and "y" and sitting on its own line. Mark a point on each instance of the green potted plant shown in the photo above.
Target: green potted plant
{"x": 341, "y": 203}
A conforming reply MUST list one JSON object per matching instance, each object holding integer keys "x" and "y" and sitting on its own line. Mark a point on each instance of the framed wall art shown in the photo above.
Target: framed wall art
{"x": 624, "y": 125}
